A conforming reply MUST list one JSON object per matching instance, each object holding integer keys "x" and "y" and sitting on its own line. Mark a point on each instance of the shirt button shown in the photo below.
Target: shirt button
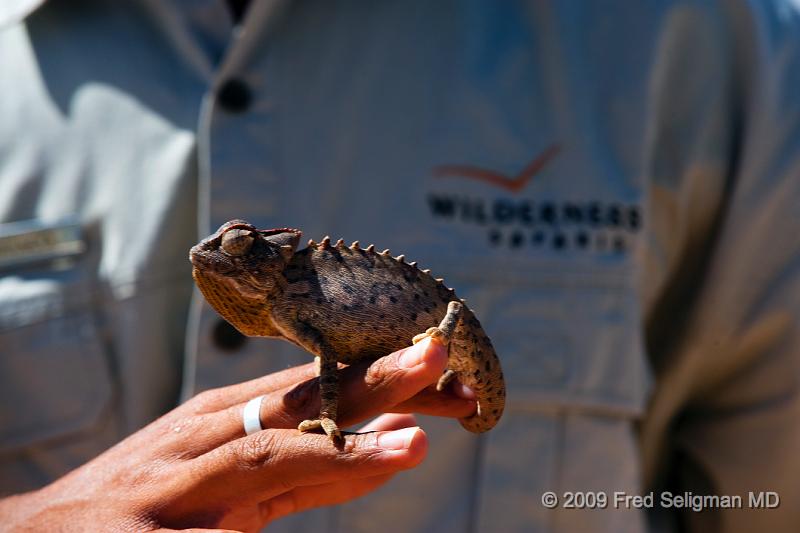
{"x": 234, "y": 96}
{"x": 226, "y": 337}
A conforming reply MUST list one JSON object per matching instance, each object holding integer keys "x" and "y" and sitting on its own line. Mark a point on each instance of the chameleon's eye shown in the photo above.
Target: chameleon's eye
{"x": 237, "y": 242}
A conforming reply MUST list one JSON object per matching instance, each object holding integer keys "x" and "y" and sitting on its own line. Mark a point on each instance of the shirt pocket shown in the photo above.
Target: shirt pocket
{"x": 568, "y": 338}
{"x": 53, "y": 366}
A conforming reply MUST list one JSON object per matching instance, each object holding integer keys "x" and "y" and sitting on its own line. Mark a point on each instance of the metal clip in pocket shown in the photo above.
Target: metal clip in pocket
{"x": 34, "y": 241}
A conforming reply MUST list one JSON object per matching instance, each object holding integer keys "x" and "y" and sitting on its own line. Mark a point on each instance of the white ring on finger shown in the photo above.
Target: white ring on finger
{"x": 252, "y": 416}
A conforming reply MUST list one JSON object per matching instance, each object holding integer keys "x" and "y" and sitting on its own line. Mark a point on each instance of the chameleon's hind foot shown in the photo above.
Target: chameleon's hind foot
{"x": 445, "y": 379}
{"x": 328, "y": 426}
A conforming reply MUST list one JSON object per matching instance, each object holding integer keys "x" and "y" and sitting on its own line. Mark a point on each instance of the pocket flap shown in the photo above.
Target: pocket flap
{"x": 60, "y": 380}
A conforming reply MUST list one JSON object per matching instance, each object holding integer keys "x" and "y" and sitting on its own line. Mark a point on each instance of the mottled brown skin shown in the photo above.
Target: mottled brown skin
{"x": 343, "y": 304}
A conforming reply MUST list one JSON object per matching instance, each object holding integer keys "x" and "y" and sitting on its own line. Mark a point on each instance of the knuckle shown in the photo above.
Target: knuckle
{"x": 279, "y": 506}
{"x": 382, "y": 372}
{"x": 302, "y": 401}
{"x": 207, "y": 401}
{"x": 256, "y": 451}
{"x": 362, "y": 451}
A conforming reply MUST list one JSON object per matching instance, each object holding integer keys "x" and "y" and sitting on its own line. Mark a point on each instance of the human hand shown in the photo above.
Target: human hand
{"x": 195, "y": 468}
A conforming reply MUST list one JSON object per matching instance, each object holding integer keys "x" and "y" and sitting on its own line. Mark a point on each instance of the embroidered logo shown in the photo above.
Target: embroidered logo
{"x": 513, "y": 184}
{"x": 514, "y": 221}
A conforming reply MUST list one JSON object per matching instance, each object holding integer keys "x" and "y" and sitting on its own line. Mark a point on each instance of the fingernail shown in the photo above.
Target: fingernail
{"x": 415, "y": 354}
{"x": 397, "y": 440}
{"x": 464, "y": 392}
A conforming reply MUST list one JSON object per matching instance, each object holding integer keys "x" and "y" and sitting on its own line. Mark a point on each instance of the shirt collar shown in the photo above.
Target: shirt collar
{"x": 14, "y": 11}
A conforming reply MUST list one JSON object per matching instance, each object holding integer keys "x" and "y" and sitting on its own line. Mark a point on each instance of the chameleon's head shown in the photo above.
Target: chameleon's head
{"x": 239, "y": 267}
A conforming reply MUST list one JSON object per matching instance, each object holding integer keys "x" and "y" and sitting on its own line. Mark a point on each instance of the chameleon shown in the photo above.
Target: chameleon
{"x": 344, "y": 304}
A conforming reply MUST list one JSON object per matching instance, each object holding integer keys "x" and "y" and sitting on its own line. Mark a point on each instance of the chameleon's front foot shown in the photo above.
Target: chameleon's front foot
{"x": 435, "y": 334}
{"x": 441, "y": 334}
{"x": 328, "y": 426}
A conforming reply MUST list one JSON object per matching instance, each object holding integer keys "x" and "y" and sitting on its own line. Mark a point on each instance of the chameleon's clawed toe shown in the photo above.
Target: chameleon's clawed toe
{"x": 435, "y": 334}
{"x": 420, "y": 337}
{"x": 328, "y": 426}
{"x": 445, "y": 379}
{"x": 310, "y": 425}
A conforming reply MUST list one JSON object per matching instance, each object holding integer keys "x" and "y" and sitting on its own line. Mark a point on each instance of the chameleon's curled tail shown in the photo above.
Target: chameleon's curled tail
{"x": 473, "y": 361}
{"x": 491, "y": 401}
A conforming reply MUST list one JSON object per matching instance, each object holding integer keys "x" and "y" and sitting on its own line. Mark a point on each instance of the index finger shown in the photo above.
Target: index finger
{"x": 252, "y": 469}
{"x": 223, "y": 397}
